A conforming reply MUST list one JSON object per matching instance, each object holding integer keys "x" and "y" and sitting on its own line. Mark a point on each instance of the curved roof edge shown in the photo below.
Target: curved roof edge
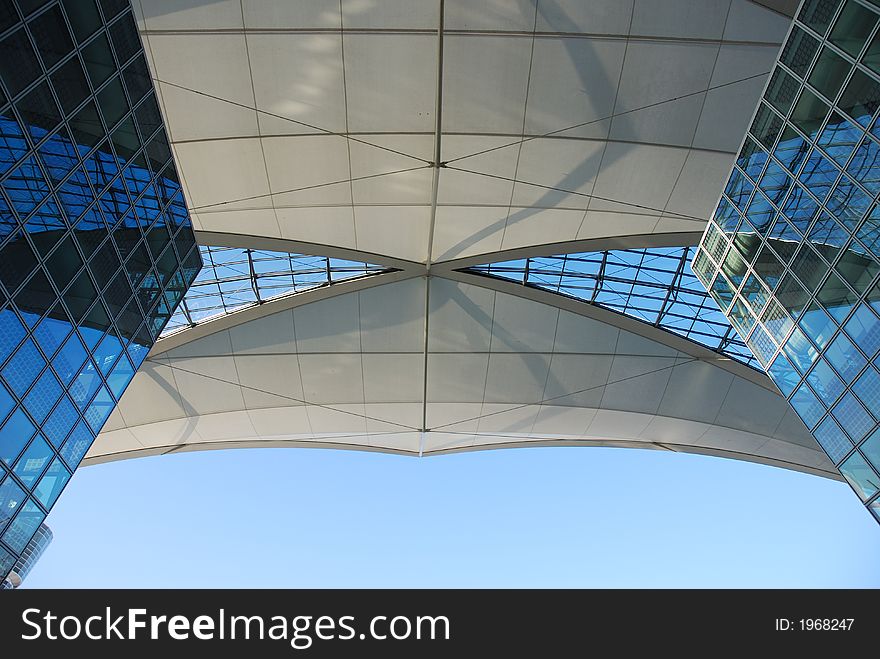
{"x": 281, "y": 303}
{"x": 619, "y": 320}
{"x": 764, "y": 458}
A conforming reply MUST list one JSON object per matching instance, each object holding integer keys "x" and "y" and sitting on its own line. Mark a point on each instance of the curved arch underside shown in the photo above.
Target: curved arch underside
{"x": 346, "y": 368}
{"x": 520, "y": 129}
{"x": 365, "y": 126}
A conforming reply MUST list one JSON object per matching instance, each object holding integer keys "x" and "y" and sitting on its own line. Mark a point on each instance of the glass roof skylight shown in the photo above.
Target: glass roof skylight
{"x": 656, "y": 286}
{"x": 234, "y": 278}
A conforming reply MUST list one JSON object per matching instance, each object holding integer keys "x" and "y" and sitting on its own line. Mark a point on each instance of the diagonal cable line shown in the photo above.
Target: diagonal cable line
{"x": 567, "y": 394}
{"x": 606, "y": 118}
{"x": 308, "y": 187}
{"x": 680, "y": 216}
{"x": 292, "y": 398}
{"x": 293, "y": 121}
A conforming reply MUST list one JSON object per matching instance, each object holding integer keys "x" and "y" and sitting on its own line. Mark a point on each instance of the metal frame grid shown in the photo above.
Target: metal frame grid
{"x": 96, "y": 248}
{"x": 234, "y": 278}
{"x": 654, "y": 285}
{"x": 792, "y": 254}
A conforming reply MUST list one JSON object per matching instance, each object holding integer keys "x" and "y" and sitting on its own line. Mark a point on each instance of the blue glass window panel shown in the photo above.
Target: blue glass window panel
{"x": 741, "y": 317}
{"x": 46, "y": 218}
{"x": 800, "y": 351}
{"x": 59, "y": 423}
{"x": 832, "y": 438}
{"x": 51, "y": 484}
{"x": 839, "y": 138}
{"x": 23, "y": 526}
{"x": 26, "y": 187}
{"x": 807, "y": 406}
{"x": 107, "y": 351}
{"x": 857, "y": 266}
{"x": 8, "y": 223}
{"x": 77, "y": 444}
{"x": 137, "y": 353}
{"x": 739, "y": 189}
{"x": 722, "y": 292}
{"x": 23, "y": 367}
{"x": 854, "y": 419}
{"x": 6, "y": 402}
{"x": 733, "y": 267}
{"x": 102, "y": 169}
{"x": 59, "y": 156}
{"x": 43, "y": 396}
{"x": 860, "y": 476}
{"x": 865, "y": 165}
{"x": 7, "y": 561}
{"x": 13, "y": 145}
{"x": 91, "y": 335}
{"x": 69, "y": 359}
{"x": 90, "y": 221}
{"x": 115, "y": 204}
{"x": 75, "y": 195}
{"x": 809, "y": 113}
{"x": 775, "y": 182}
{"x": 800, "y": 208}
{"x": 52, "y": 332}
{"x": 818, "y": 175}
{"x": 782, "y": 90}
{"x": 30, "y": 319}
{"x": 852, "y": 28}
{"x": 848, "y": 202}
{"x": 86, "y": 384}
{"x": 761, "y": 345}
{"x": 755, "y": 293}
{"x": 828, "y": 232}
{"x": 871, "y": 449}
{"x": 118, "y": 380}
{"x": 99, "y": 409}
{"x": 860, "y": 98}
{"x": 766, "y": 126}
{"x": 825, "y": 383}
{"x": 14, "y": 435}
{"x": 136, "y": 178}
{"x": 777, "y": 322}
{"x": 817, "y": 325}
{"x": 867, "y": 388}
{"x": 791, "y": 150}
{"x": 760, "y": 212}
{"x": 869, "y": 233}
{"x": 792, "y": 296}
{"x": 783, "y": 231}
{"x": 864, "y": 329}
{"x": 11, "y": 333}
{"x": 11, "y": 497}
{"x": 32, "y": 462}
{"x": 836, "y": 297}
{"x": 809, "y": 268}
{"x": 844, "y": 357}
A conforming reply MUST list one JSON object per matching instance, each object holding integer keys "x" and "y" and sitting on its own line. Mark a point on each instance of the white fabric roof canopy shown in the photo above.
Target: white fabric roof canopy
{"x": 381, "y": 133}
{"x": 556, "y": 120}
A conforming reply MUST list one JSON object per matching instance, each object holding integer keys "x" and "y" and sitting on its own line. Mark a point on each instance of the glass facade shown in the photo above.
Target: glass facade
{"x": 29, "y": 557}
{"x": 96, "y": 247}
{"x": 792, "y": 253}
{"x": 654, "y": 285}
{"x": 234, "y": 278}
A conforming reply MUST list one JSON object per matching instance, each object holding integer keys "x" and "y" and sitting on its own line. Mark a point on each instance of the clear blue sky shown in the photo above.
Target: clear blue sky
{"x": 554, "y": 517}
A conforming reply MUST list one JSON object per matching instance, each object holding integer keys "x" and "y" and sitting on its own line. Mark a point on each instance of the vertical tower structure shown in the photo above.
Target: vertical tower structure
{"x": 96, "y": 245}
{"x": 792, "y": 254}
